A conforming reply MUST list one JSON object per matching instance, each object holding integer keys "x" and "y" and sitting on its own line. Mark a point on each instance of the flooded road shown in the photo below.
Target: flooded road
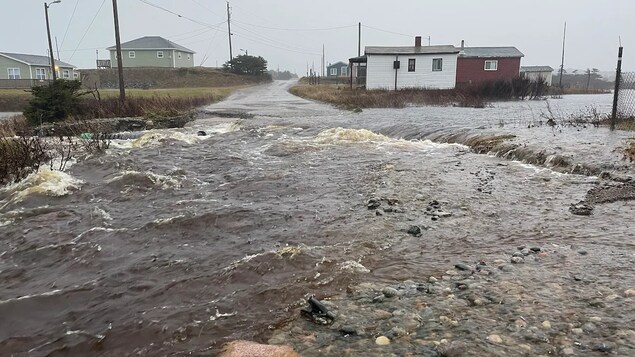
{"x": 174, "y": 243}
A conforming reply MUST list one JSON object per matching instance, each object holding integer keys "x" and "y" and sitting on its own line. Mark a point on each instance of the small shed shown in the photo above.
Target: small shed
{"x": 486, "y": 64}
{"x": 339, "y": 69}
{"x": 537, "y": 73}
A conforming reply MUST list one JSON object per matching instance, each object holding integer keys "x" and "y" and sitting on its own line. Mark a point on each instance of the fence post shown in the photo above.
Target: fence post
{"x": 616, "y": 93}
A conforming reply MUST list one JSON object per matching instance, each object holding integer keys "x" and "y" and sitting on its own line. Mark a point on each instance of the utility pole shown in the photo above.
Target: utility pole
{"x": 323, "y": 74}
{"x": 57, "y": 48}
{"x": 564, "y": 38}
{"x": 48, "y": 32}
{"x": 429, "y": 41}
{"x": 229, "y": 32}
{"x": 122, "y": 88}
{"x": 359, "y": 39}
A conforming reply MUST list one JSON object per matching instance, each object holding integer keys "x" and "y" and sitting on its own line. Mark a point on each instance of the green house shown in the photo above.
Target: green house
{"x": 19, "y": 70}
{"x": 152, "y": 51}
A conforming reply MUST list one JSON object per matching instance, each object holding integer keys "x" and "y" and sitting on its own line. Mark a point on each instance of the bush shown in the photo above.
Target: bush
{"x": 54, "y": 102}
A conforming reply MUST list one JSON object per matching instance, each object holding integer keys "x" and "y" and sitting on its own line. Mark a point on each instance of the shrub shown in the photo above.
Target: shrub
{"x": 53, "y": 102}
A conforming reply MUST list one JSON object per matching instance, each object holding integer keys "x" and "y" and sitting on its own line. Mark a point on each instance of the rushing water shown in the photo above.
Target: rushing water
{"x": 173, "y": 243}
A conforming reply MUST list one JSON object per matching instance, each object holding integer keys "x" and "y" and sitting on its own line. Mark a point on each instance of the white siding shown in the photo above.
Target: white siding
{"x": 534, "y": 76}
{"x": 381, "y": 75}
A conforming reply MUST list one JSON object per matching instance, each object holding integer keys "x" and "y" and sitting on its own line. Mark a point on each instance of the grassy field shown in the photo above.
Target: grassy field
{"x": 15, "y": 100}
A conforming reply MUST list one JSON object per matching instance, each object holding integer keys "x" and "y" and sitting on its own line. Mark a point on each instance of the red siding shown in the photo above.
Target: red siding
{"x": 472, "y": 70}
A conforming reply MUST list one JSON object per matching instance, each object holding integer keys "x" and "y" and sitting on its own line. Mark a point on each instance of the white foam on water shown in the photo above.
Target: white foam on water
{"x": 45, "y": 182}
{"x": 353, "y": 267}
{"x": 162, "y": 181}
{"x": 169, "y": 220}
{"x": 223, "y": 128}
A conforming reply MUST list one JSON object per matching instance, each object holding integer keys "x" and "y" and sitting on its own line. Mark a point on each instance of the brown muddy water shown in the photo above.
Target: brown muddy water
{"x": 173, "y": 243}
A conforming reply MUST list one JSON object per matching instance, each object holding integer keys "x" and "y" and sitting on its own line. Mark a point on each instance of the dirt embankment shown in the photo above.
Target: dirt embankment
{"x": 146, "y": 78}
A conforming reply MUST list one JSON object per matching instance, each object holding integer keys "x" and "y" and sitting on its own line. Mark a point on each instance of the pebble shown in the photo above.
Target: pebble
{"x": 595, "y": 319}
{"x": 583, "y": 252}
{"x": 506, "y": 268}
{"x": 382, "y": 314}
{"x": 463, "y": 267}
{"x": 568, "y": 351}
{"x": 577, "y": 331}
{"x": 546, "y": 324}
{"x": 494, "y": 339}
{"x": 349, "y": 330}
{"x": 535, "y": 249}
{"x": 630, "y": 292}
{"x": 382, "y": 341}
{"x": 398, "y": 331}
{"x": 390, "y": 292}
{"x": 434, "y": 280}
{"x": 602, "y": 347}
{"x": 517, "y": 260}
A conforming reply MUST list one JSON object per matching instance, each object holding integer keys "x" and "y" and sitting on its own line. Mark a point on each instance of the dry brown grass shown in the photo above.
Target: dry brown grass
{"x": 347, "y": 98}
{"x": 629, "y": 150}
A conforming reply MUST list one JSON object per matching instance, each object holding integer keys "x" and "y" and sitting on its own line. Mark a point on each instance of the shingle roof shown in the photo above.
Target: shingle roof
{"x": 536, "y": 69}
{"x": 410, "y": 50}
{"x": 337, "y": 64}
{"x": 35, "y": 60}
{"x": 151, "y": 43}
{"x": 491, "y": 52}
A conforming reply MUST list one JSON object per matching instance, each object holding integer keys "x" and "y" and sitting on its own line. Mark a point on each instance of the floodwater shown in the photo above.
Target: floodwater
{"x": 173, "y": 243}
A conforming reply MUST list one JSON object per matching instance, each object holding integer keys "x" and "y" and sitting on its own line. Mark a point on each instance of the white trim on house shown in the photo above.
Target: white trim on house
{"x": 15, "y": 59}
{"x": 14, "y": 72}
{"x": 437, "y": 64}
{"x": 334, "y": 71}
{"x": 132, "y": 54}
{"x": 160, "y": 54}
{"x": 493, "y": 65}
{"x": 173, "y": 58}
{"x": 412, "y": 64}
{"x": 40, "y": 72}
{"x": 66, "y": 73}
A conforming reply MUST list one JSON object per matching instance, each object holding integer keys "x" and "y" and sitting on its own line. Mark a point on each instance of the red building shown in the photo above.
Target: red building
{"x": 485, "y": 64}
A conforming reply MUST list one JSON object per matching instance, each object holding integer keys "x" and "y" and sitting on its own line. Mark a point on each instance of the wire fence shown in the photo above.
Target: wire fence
{"x": 626, "y": 96}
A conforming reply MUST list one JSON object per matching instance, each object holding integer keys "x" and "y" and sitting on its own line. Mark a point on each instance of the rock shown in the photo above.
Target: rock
{"x": 546, "y": 324}
{"x": 506, "y": 268}
{"x": 602, "y": 347}
{"x": 373, "y": 203}
{"x": 349, "y": 331}
{"x": 201, "y": 133}
{"x": 494, "y": 339}
{"x": 463, "y": 267}
{"x": 378, "y": 213}
{"x": 568, "y": 351}
{"x": 390, "y": 292}
{"x": 535, "y": 249}
{"x": 381, "y": 314}
{"x": 583, "y": 252}
{"x": 398, "y": 332}
{"x": 525, "y": 252}
{"x": 382, "y": 341}
{"x": 433, "y": 280}
{"x": 577, "y": 331}
{"x": 252, "y": 349}
{"x": 379, "y": 298}
{"x": 414, "y": 231}
{"x": 629, "y": 292}
{"x": 517, "y": 260}
{"x": 581, "y": 209}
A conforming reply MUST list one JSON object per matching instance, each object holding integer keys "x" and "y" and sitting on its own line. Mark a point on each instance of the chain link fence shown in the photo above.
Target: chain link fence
{"x": 626, "y": 96}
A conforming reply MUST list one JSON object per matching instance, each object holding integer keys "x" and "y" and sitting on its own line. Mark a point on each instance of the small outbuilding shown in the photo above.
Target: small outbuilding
{"x": 537, "y": 73}
{"x": 487, "y": 64}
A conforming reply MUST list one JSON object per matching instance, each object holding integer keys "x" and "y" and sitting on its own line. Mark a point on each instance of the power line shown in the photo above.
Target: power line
{"x": 274, "y": 46}
{"x": 206, "y": 8}
{"x": 296, "y": 29}
{"x": 276, "y": 42}
{"x": 181, "y": 16}
{"x": 387, "y": 31}
{"x": 88, "y": 29}
{"x": 69, "y": 23}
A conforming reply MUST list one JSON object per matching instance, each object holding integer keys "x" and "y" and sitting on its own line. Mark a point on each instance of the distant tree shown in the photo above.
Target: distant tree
{"x": 248, "y": 65}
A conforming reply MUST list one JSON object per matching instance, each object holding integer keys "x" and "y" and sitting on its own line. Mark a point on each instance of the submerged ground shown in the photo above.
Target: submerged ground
{"x": 174, "y": 243}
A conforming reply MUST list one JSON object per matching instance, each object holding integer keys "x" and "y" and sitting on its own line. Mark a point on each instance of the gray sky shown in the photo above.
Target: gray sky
{"x": 285, "y": 32}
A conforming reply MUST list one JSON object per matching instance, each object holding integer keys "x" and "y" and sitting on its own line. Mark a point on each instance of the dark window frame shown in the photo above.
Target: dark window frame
{"x": 437, "y": 69}
{"x": 412, "y": 65}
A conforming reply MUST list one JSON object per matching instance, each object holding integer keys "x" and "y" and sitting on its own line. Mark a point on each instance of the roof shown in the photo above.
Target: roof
{"x": 151, "y": 43}
{"x": 35, "y": 60}
{"x": 410, "y": 50}
{"x": 360, "y": 59}
{"x": 536, "y": 69}
{"x": 491, "y": 52}
{"x": 337, "y": 64}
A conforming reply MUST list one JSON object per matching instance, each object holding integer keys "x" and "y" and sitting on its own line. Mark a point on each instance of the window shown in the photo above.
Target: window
{"x": 491, "y": 65}
{"x": 66, "y": 73}
{"x": 14, "y": 73}
{"x": 344, "y": 70}
{"x": 188, "y": 56}
{"x": 40, "y": 73}
{"x": 75, "y": 75}
{"x": 159, "y": 54}
{"x": 437, "y": 64}
{"x": 412, "y": 64}
{"x": 333, "y": 71}
{"x": 132, "y": 54}
{"x": 179, "y": 55}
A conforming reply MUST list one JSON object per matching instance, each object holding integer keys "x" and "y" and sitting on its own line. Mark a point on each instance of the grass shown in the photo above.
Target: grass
{"x": 347, "y": 98}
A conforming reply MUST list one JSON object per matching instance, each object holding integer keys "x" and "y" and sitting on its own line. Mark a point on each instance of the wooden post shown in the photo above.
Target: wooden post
{"x": 616, "y": 93}
{"x": 122, "y": 88}
{"x": 48, "y": 32}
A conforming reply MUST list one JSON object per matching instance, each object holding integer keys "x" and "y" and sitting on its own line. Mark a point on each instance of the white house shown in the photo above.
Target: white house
{"x": 536, "y": 73}
{"x": 417, "y": 66}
